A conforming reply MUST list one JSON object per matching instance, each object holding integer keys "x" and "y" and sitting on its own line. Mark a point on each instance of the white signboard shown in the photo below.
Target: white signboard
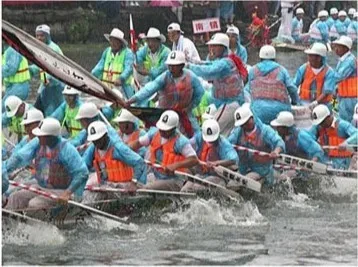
{"x": 206, "y": 25}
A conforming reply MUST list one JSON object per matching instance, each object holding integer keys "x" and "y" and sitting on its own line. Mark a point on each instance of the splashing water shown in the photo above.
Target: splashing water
{"x": 104, "y": 224}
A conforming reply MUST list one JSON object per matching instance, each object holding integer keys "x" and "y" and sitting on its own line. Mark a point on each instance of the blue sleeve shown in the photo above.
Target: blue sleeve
{"x": 34, "y": 70}
{"x": 272, "y": 138}
{"x": 59, "y": 113}
{"x": 228, "y": 151}
{"x": 113, "y": 134}
{"x": 291, "y": 87}
{"x": 353, "y": 140}
{"x": 141, "y": 54}
{"x": 345, "y": 129}
{"x": 234, "y": 136}
{"x": 310, "y": 146}
{"x": 329, "y": 82}
{"x": 217, "y": 69}
{"x": 97, "y": 71}
{"x": 128, "y": 66}
{"x": 20, "y": 145}
{"x": 13, "y": 60}
{"x": 79, "y": 139}
{"x": 108, "y": 112}
{"x": 150, "y": 88}
{"x": 324, "y": 31}
{"x": 344, "y": 70}
{"x": 313, "y": 131}
{"x": 88, "y": 156}
{"x": 243, "y": 54}
{"x": 5, "y": 121}
{"x": 5, "y": 181}
{"x": 156, "y": 71}
{"x": 299, "y": 75}
{"x": 198, "y": 90}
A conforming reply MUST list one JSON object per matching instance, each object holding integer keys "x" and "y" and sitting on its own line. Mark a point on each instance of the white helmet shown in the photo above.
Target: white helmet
{"x": 355, "y": 15}
{"x": 96, "y": 130}
{"x": 175, "y": 58}
{"x": 68, "y": 90}
{"x": 87, "y": 111}
{"x": 342, "y": 13}
{"x": 12, "y": 104}
{"x": 319, "y": 114}
{"x": 300, "y": 11}
{"x": 210, "y": 112}
{"x": 43, "y": 28}
{"x": 344, "y": 40}
{"x": 233, "y": 29}
{"x": 168, "y": 120}
{"x": 210, "y": 130}
{"x": 219, "y": 39}
{"x": 333, "y": 11}
{"x": 323, "y": 13}
{"x": 317, "y": 49}
{"x": 125, "y": 116}
{"x": 351, "y": 11}
{"x": 48, "y": 126}
{"x": 31, "y": 116}
{"x": 284, "y": 118}
{"x": 267, "y": 52}
{"x": 242, "y": 115}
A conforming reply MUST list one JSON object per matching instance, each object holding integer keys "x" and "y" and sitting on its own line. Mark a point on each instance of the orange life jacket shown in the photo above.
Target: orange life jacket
{"x": 208, "y": 153}
{"x": 309, "y": 78}
{"x": 133, "y": 137}
{"x": 348, "y": 88}
{"x": 111, "y": 170}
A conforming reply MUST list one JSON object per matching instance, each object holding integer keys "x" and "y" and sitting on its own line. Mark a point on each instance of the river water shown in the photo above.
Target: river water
{"x": 317, "y": 228}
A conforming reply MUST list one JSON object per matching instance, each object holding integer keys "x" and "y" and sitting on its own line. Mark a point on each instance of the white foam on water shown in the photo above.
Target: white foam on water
{"x": 339, "y": 185}
{"x": 105, "y": 224}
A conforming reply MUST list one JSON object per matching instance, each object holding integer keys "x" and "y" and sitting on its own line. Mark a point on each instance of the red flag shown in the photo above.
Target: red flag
{"x": 132, "y": 35}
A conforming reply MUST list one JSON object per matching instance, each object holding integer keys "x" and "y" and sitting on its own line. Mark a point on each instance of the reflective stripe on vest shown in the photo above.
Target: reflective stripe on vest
{"x": 268, "y": 87}
{"x": 315, "y": 33}
{"x": 72, "y": 125}
{"x": 305, "y": 90}
{"x": 149, "y": 63}
{"x": 22, "y": 74}
{"x": 111, "y": 170}
{"x": 176, "y": 94}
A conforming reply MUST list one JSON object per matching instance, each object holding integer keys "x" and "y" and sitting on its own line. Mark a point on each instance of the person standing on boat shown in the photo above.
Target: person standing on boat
{"x": 115, "y": 68}
{"x": 284, "y": 32}
{"x": 178, "y": 89}
{"x": 212, "y": 150}
{"x": 330, "y": 131}
{"x": 129, "y": 129}
{"x": 333, "y": 18}
{"x": 181, "y": 43}
{"x": 15, "y": 74}
{"x": 270, "y": 87}
{"x": 116, "y": 165}
{"x": 169, "y": 148}
{"x": 67, "y": 112}
{"x": 346, "y": 77}
{"x": 297, "y": 26}
{"x": 59, "y": 168}
{"x": 339, "y": 28}
{"x": 227, "y": 73}
{"x": 352, "y": 30}
{"x": 50, "y": 91}
{"x": 319, "y": 31}
{"x": 235, "y": 44}
{"x": 250, "y": 132}
{"x": 315, "y": 78}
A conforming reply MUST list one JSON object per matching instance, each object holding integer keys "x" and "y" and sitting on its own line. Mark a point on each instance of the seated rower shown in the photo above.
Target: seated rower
{"x": 330, "y": 131}
{"x": 59, "y": 168}
{"x": 213, "y": 150}
{"x": 252, "y": 133}
{"x": 116, "y": 165}
{"x": 169, "y": 148}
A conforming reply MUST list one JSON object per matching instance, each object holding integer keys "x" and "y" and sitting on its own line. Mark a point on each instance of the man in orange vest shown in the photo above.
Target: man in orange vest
{"x": 116, "y": 165}
{"x": 346, "y": 77}
{"x": 169, "y": 148}
{"x": 315, "y": 78}
{"x": 330, "y": 131}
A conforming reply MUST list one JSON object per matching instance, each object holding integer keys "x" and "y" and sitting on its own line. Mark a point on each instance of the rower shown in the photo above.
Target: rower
{"x": 270, "y": 87}
{"x": 169, "y": 148}
{"x": 235, "y": 44}
{"x": 115, "y": 68}
{"x": 297, "y": 27}
{"x": 315, "y": 78}
{"x": 333, "y": 18}
{"x": 15, "y": 74}
{"x": 351, "y": 13}
{"x": 50, "y": 90}
{"x": 59, "y": 168}
{"x": 319, "y": 31}
{"x": 339, "y": 28}
{"x": 252, "y": 133}
{"x": 213, "y": 150}
{"x": 227, "y": 72}
{"x": 67, "y": 112}
{"x": 129, "y": 129}
{"x": 330, "y": 131}
{"x": 178, "y": 89}
{"x": 346, "y": 77}
{"x": 116, "y": 165}
{"x": 352, "y": 30}
{"x": 15, "y": 110}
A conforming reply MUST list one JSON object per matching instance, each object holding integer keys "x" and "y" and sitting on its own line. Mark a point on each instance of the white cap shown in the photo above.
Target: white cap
{"x": 319, "y": 113}
{"x": 86, "y": 111}
{"x": 31, "y": 116}
{"x": 43, "y": 28}
{"x": 96, "y": 130}
{"x": 12, "y": 104}
{"x": 48, "y": 126}
{"x": 242, "y": 115}
{"x": 342, "y": 13}
{"x": 174, "y": 27}
{"x": 155, "y": 33}
{"x": 233, "y": 29}
{"x": 175, "y": 58}
{"x": 168, "y": 120}
{"x": 333, "y": 11}
{"x": 219, "y": 39}
{"x": 284, "y": 118}
{"x": 351, "y": 11}
{"x": 210, "y": 130}
{"x": 317, "y": 49}
{"x": 323, "y": 13}
{"x": 125, "y": 116}
{"x": 116, "y": 33}
{"x": 300, "y": 11}
{"x": 267, "y": 52}
{"x": 68, "y": 90}
{"x": 355, "y": 15}
{"x": 210, "y": 112}
{"x": 344, "y": 40}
